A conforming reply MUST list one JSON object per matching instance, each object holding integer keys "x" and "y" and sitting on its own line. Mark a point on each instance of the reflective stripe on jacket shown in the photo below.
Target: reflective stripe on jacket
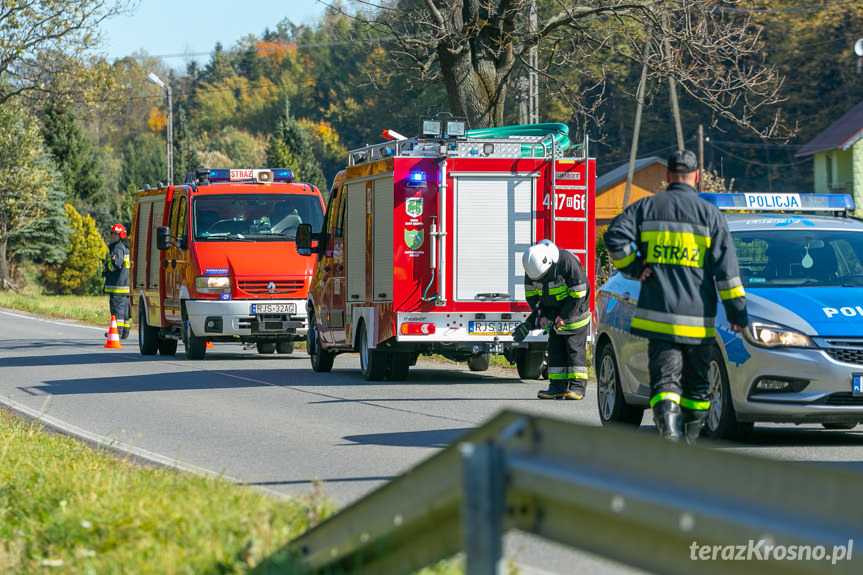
{"x": 686, "y": 243}
{"x": 562, "y": 292}
{"x": 117, "y": 268}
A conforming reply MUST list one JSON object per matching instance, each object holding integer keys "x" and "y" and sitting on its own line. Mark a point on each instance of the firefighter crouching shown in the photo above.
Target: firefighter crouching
{"x": 557, "y": 290}
{"x": 117, "y": 278}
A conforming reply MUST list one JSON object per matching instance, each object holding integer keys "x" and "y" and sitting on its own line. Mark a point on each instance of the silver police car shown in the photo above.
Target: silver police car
{"x": 801, "y": 358}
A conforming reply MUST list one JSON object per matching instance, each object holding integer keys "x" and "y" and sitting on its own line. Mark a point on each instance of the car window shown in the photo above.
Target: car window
{"x": 773, "y": 258}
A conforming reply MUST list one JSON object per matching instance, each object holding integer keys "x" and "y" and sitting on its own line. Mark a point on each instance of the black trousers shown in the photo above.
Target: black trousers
{"x": 567, "y": 359}
{"x": 119, "y": 304}
{"x": 681, "y": 370}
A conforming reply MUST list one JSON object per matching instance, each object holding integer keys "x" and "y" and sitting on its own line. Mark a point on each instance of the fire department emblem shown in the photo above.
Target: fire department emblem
{"x": 414, "y": 238}
{"x": 414, "y": 206}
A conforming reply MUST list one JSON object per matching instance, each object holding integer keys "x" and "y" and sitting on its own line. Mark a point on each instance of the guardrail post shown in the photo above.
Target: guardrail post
{"x": 483, "y": 502}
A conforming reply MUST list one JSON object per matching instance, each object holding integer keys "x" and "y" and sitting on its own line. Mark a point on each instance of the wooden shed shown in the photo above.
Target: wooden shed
{"x": 647, "y": 179}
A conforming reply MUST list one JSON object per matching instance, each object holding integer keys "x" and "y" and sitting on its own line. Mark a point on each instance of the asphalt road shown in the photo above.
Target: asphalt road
{"x": 269, "y": 421}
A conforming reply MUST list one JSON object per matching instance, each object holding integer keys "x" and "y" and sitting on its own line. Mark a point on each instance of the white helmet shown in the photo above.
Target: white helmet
{"x": 538, "y": 258}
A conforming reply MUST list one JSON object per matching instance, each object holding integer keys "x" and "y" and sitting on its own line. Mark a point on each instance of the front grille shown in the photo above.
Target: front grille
{"x": 854, "y": 356}
{"x": 844, "y": 399}
{"x": 261, "y": 287}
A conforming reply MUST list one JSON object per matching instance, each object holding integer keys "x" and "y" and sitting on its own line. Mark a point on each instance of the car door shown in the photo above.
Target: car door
{"x": 175, "y": 259}
{"x": 331, "y": 306}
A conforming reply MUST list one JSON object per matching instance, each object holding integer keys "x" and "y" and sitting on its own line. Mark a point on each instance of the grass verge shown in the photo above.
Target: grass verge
{"x": 84, "y": 308}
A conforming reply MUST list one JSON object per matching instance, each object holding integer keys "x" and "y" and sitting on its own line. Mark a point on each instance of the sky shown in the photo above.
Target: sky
{"x": 179, "y": 31}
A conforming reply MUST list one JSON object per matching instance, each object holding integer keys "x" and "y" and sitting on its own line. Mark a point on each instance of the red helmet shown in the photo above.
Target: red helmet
{"x": 118, "y": 228}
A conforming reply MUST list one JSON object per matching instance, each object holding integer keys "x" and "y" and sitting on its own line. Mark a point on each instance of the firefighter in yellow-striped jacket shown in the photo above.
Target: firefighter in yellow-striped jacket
{"x": 679, "y": 247}
{"x": 556, "y": 289}
{"x": 117, "y": 278}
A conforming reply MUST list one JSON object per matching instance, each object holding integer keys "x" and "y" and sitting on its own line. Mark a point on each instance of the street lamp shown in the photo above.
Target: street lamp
{"x": 155, "y": 80}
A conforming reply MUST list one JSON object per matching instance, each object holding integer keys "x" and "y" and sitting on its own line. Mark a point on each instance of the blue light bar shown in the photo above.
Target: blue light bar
{"x": 761, "y": 202}
{"x": 251, "y": 175}
{"x": 417, "y": 179}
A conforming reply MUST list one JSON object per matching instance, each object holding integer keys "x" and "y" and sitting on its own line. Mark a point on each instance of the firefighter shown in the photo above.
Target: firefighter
{"x": 680, "y": 249}
{"x": 557, "y": 291}
{"x": 117, "y": 278}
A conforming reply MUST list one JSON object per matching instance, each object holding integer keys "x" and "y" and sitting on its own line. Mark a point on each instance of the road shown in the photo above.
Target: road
{"x": 270, "y": 422}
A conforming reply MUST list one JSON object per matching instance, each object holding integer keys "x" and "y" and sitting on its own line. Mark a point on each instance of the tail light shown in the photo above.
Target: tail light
{"x": 417, "y": 328}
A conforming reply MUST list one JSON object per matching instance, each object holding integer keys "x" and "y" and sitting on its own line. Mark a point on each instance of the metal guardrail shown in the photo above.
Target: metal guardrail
{"x": 614, "y": 492}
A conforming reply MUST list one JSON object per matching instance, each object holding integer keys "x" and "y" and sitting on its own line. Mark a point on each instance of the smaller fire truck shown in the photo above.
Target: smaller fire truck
{"x": 421, "y": 248}
{"x": 213, "y": 260}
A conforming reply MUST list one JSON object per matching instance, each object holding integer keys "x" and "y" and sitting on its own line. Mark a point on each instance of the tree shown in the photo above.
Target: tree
{"x": 78, "y": 273}
{"x": 476, "y": 46}
{"x": 26, "y": 181}
{"x": 72, "y": 152}
{"x": 290, "y": 147}
{"x": 44, "y": 43}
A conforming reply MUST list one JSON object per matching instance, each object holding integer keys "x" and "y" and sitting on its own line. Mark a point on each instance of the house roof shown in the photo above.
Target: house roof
{"x": 840, "y": 135}
{"x": 611, "y": 178}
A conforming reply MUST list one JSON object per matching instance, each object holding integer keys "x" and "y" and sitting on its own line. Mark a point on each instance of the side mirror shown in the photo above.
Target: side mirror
{"x": 304, "y": 239}
{"x": 163, "y": 238}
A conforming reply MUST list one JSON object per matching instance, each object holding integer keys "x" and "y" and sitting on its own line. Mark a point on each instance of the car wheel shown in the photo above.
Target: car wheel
{"x": 372, "y": 362}
{"x": 479, "y": 362}
{"x": 168, "y": 347}
{"x": 609, "y": 393}
{"x": 399, "y": 364}
{"x": 148, "y": 336}
{"x": 721, "y": 418}
{"x": 839, "y": 426}
{"x": 322, "y": 360}
{"x": 285, "y": 347}
{"x": 266, "y": 347}
{"x": 529, "y": 363}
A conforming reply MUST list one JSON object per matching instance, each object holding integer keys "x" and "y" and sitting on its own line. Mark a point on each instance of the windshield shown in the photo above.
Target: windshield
{"x": 257, "y": 217}
{"x": 773, "y": 258}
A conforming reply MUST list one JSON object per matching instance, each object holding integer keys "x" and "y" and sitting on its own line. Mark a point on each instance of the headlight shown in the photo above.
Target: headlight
{"x": 768, "y": 335}
{"x": 213, "y": 284}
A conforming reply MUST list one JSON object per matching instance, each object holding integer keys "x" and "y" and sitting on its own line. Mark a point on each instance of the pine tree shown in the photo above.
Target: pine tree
{"x": 290, "y": 147}
{"x": 73, "y": 153}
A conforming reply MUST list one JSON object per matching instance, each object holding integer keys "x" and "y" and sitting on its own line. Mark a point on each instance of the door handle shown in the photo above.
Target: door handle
{"x": 340, "y": 267}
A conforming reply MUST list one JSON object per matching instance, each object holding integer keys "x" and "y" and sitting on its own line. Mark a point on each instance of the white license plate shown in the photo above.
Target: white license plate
{"x": 274, "y": 308}
{"x": 492, "y": 327}
{"x": 857, "y": 384}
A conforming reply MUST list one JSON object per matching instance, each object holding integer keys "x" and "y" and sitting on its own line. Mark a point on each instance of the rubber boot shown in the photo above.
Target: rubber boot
{"x": 666, "y": 413}
{"x": 556, "y": 390}
{"x": 575, "y": 390}
{"x": 691, "y": 421}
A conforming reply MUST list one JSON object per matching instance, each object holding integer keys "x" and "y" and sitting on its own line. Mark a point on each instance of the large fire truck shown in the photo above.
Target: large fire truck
{"x": 421, "y": 247}
{"x": 213, "y": 260}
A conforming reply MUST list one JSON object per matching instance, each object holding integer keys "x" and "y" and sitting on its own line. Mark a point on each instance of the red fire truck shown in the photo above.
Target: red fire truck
{"x": 213, "y": 260}
{"x": 421, "y": 247}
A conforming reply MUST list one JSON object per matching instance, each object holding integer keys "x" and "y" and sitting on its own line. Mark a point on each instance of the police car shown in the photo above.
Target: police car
{"x": 801, "y": 358}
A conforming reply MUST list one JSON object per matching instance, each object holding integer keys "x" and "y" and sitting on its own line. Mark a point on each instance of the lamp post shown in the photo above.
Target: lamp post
{"x": 155, "y": 80}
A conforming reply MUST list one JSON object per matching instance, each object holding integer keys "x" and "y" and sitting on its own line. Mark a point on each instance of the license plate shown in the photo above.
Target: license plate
{"x": 492, "y": 327}
{"x": 274, "y": 308}
{"x": 857, "y": 384}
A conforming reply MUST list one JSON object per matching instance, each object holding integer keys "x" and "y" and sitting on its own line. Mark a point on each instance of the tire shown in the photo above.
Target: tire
{"x": 285, "y": 347}
{"x": 322, "y": 360}
{"x": 372, "y": 362}
{"x": 839, "y": 426}
{"x": 148, "y": 336}
{"x": 168, "y": 347}
{"x": 196, "y": 347}
{"x": 609, "y": 393}
{"x": 721, "y": 418}
{"x": 398, "y": 365}
{"x": 266, "y": 347}
{"x": 479, "y": 362}
{"x": 529, "y": 363}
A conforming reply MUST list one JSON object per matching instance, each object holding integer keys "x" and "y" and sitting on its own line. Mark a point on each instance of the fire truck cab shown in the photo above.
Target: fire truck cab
{"x": 421, "y": 248}
{"x": 213, "y": 260}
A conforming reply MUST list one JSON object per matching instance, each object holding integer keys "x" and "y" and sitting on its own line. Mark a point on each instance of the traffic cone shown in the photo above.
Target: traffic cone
{"x": 113, "y": 336}
{"x": 209, "y": 344}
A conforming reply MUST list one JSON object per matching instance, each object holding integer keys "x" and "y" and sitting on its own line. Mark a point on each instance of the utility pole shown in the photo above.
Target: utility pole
{"x": 700, "y": 157}
{"x": 532, "y": 76}
{"x": 639, "y": 98}
{"x": 154, "y": 79}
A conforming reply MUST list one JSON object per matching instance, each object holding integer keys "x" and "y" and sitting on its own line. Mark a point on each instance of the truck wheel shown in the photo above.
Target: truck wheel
{"x": 399, "y": 365}
{"x": 266, "y": 347}
{"x": 372, "y": 362}
{"x": 285, "y": 347}
{"x": 322, "y": 360}
{"x": 168, "y": 347}
{"x": 196, "y": 347}
{"x": 148, "y": 336}
{"x": 479, "y": 362}
{"x": 529, "y": 363}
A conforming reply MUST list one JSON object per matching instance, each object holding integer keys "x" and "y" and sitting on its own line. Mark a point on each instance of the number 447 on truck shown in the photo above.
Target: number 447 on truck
{"x": 421, "y": 248}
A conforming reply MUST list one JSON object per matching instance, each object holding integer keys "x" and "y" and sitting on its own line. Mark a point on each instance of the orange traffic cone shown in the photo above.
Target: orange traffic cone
{"x": 209, "y": 344}
{"x": 113, "y": 336}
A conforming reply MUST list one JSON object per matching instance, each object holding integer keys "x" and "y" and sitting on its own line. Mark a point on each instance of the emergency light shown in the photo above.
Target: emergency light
{"x": 251, "y": 175}
{"x": 761, "y": 202}
{"x": 417, "y": 180}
